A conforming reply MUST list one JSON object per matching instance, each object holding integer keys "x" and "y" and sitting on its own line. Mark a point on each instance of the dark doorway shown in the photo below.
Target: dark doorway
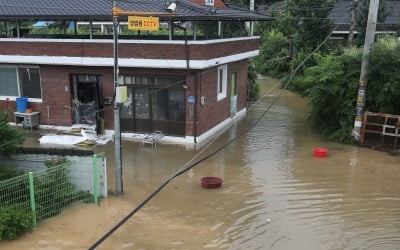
{"x": 87, "y": 100}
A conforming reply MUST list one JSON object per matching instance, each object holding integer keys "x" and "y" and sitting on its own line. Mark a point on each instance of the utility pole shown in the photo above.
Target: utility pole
{"x": 352, "y": 23}
{"x": 116, "y": 12}
{"x": 117, "y": 127}
{"x": 369, "y": 40}
{"x": 251, "y": 22}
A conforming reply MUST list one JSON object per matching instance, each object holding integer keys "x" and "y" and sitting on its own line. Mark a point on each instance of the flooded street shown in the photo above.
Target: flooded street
{"x": 275, "y": 194}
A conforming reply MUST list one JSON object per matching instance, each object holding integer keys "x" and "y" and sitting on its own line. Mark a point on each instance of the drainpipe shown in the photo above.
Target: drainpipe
{"x": 90, "y": 29}
{"x": 18, "y": 34}
{"x": 195, "y": 108}
{"x": 194, "y": 31}
{"x": 220, "y": 30}
{"x": 75, "y": 28}
{"x": 187, "y": 73}
{"x": 171, "y": 30}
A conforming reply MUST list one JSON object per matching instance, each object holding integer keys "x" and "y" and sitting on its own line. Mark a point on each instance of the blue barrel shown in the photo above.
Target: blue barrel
{"x": 22, "y": 104}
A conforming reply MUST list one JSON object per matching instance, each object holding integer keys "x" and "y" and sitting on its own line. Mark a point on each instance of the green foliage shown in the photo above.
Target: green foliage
{"x": 309, "y": 17}
{"x": 331, "y": 87}
{"x": 297, "y": 84}
{"x": 56, "y": 162}
{"x": 274, "y": 55}
{"x": 14, "y": 223}
{"x": 7, "y": 173}
{"x": 383, "y": 89}
{"x": 54, "y": 191}
{"x": 253, "y": 88}
{"x": 10, "y": 137}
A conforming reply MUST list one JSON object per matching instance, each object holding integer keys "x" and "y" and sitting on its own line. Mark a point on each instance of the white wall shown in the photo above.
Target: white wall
{"x": 81, "y": 174}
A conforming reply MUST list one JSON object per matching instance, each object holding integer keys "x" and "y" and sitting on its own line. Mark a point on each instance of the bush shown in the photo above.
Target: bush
{"x": 10, "y": 137}
{"x": 383, "y": 91}
{"x": 7, "y": 173}
{"x": 253, "y": 88}
{"x": 274, "y": 54}
{"x": 331, "y": 87}
{"x": 14, "y": 223}
{"x": 54, "y": 191}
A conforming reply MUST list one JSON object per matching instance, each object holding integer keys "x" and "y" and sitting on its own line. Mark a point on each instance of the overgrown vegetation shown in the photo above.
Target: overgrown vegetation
{"x": 274, "y": 54}
{"x": 10, "y": 137}
{"x": 331, "y": 86}
{"x": 14, "y": 223}
{"x": 330, "y": 78}
{"x": 384, "y": 76}
{"x": 8, "y": 172}
{"x": 53, "y": 192}
{"x": 252, "y": 88}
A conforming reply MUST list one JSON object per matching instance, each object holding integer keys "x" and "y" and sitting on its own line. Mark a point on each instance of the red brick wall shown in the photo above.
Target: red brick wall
{"x": 55, "y": 108}
{"x": 144, "y": 51}
{"x": 214, "y": 111}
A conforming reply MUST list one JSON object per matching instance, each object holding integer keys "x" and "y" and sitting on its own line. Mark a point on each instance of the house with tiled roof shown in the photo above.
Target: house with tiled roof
{"x": 188, "y": 79}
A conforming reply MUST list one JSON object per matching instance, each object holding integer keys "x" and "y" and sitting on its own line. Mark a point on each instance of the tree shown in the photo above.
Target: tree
{"x": 274, "y": 56}
{"x": 10, "y": 137}
{"x": 383, "y": 93}
{"x": 332, "y": 88}
{"x": 311, "y": 22}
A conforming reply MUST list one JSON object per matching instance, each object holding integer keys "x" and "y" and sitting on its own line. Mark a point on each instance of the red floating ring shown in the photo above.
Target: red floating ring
{"x": 320, "y": 152}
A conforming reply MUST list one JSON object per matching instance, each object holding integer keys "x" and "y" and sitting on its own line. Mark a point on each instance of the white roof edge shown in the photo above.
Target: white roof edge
{"x": 120, "y": 41}
{"x": 125, "y": 62}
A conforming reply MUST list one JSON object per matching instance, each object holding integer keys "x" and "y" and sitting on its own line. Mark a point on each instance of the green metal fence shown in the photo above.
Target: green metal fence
{"x": 46, "y": 193}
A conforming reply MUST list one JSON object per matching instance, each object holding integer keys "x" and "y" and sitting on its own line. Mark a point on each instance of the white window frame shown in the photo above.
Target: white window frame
{"x": 209, "y": 2}
{"x": 14, "y": 98}
{"x": 222, "y": 86}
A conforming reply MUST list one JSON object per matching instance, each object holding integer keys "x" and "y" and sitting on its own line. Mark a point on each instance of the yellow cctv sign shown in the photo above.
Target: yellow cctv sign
{"x": 143, "y": 23}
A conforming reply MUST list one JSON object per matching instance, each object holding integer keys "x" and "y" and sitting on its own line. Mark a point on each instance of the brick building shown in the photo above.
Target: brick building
{"x": 188, "y": 82}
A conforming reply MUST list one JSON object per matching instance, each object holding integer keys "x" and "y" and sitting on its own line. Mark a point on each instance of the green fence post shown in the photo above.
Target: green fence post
{"x": 95, "y": 180}
{"x": 32, "y": 198}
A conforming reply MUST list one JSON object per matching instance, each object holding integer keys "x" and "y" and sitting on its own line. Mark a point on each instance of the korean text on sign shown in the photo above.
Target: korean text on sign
{"x": 143, "y": 23}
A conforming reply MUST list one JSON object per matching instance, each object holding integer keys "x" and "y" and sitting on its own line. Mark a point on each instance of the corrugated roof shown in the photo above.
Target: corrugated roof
{"x": 102, "y": 9}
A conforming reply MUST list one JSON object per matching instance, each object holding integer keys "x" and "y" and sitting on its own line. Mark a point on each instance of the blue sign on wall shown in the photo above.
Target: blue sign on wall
{"x": 191, "y": 99}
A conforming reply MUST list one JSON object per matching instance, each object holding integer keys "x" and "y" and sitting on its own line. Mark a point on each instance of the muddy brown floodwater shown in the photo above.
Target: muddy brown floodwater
{"x": 275, "y": 194}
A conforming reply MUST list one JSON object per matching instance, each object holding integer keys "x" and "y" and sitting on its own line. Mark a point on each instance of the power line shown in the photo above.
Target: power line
{"x": 189, "y": 166}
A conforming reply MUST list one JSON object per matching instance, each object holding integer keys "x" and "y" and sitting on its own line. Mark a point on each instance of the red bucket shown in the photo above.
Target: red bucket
{"x": 211, "y": 182}
{"x": 320, "y": 152}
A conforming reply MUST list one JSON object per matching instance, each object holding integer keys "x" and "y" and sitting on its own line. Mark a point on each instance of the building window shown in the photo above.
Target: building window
{"x": 209, "y": 2}
{"x": 222, "y": 79}
{"x": 20, "y": 81}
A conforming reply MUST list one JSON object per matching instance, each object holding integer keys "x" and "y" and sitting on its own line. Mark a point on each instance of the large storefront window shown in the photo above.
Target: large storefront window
{"x": 20, "y": 81}
{"x": 154, "y": 103}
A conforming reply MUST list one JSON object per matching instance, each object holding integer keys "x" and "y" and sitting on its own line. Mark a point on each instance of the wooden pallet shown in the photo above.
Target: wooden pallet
{"x": 381, "y": 131}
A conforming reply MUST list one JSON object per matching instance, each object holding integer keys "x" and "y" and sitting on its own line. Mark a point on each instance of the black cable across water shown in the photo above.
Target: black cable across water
{"x": 181, "y": 171}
